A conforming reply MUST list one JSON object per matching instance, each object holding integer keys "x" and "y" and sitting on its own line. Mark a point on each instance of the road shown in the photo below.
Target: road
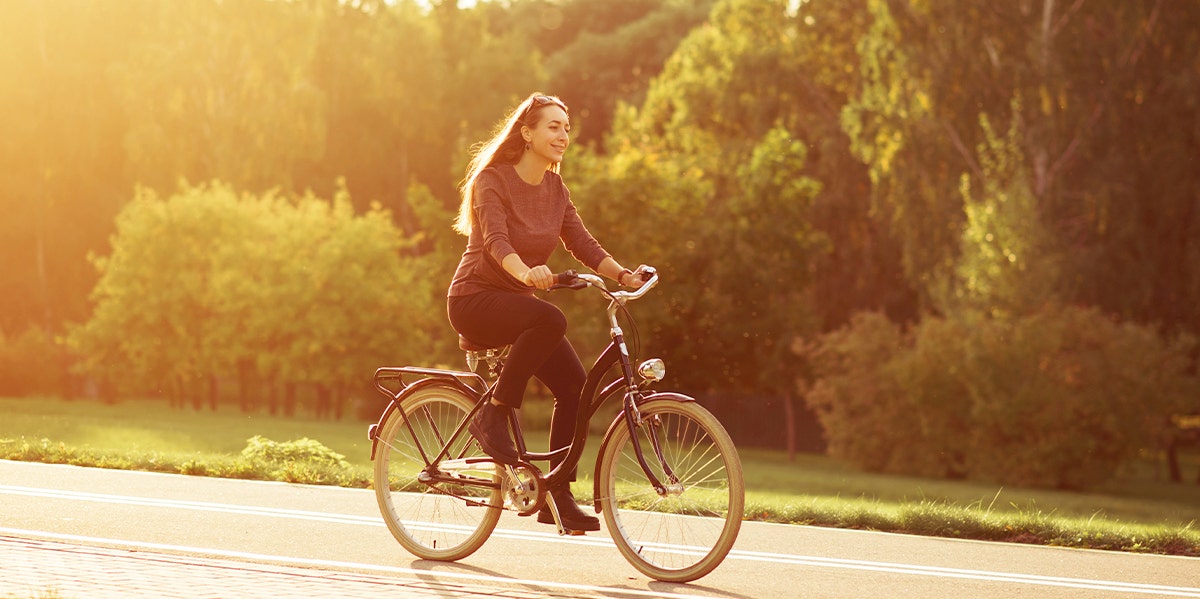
{"x": 328, "y": 528}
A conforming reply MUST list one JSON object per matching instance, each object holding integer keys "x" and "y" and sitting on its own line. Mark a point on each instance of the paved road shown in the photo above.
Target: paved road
{"x": 87, "y": 531}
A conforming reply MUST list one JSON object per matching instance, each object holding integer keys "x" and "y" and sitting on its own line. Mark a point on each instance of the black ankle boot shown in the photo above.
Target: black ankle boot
{"x": 490, "y": 428}
{"x": 573, "y": 518}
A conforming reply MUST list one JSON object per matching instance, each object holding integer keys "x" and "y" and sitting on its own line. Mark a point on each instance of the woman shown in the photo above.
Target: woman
{"x": 515, "y": 210}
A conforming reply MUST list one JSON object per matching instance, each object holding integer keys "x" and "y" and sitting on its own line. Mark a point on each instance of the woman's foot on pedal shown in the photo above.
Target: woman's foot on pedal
{"x": 573, "y": 518}
{"x": 490, "y": 428}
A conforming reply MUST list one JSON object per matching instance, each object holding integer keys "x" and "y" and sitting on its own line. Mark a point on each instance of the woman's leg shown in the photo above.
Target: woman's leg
{"x": 537, "y": 331}
{"x": 534, "y": 327}
{"x": 563, "y": 374}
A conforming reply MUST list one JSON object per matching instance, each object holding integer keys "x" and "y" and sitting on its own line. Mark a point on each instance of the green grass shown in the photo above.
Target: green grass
{"x": 1138, "y": 511}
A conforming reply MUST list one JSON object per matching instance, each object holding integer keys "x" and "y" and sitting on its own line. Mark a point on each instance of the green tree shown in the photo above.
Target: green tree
{"x": 222, "y": 91}
{"x": 62, "y": 181}
{"x": 1098, "y": 84}
{"x": 1009, "y": 264}
{"x": 729, "y": 148}
{"x": 155, "y": 300}
{"x": 616, "y": 49}
{"x": 382, "y": 74}
{"x": 208, "y": 283}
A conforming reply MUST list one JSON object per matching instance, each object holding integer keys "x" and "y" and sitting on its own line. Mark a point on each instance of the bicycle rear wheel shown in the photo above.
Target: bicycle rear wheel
{"x": 684, "y": 534}
{"x": 445, "y": 520}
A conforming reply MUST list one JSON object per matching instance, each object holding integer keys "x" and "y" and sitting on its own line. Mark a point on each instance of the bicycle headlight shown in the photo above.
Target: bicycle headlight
{"x": 653, "y": 370}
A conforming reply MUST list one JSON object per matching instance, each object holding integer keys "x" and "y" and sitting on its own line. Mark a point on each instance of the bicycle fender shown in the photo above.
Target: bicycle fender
{"x": 619, "y": 420}
{"x": 432, "y": 381}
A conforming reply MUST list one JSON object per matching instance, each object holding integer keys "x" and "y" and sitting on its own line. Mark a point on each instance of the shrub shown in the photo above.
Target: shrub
{"x": 299, "y": 451}
{"x": 858, "y": 399}
{"x": 1060, "y": 398}
{"x": 1063, "y": 397}
{"x": 31, "y": 363}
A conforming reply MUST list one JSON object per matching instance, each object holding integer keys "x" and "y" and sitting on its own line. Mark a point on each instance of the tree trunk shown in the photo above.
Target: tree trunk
{"x": 214, "y": 392}
{"x": 289, "y": 399}
{"x": 789, "y": 417}
{"x": 1174, "y": 474}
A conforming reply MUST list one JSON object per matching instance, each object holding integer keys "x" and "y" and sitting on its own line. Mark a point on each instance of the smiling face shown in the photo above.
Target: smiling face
{"x": 549, "y": 137}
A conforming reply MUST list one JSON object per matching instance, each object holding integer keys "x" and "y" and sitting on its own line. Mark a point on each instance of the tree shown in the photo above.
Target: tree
{"x": 712, "y": 151}
{"x": 222, "y": 91}
{"x": 1098, "y": 84}
{"x": 207, "y": 283}
{"x": 155, "y": 300}
{"x": 1009, "y": 265}
{"x": 62, "y": 181}
{"x": 382, "y": 74}
{"x": 616, "y": 50}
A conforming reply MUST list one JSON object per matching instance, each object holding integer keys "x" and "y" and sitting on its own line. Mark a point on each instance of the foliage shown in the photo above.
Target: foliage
{"x": 618, "y": 49}
{"x": 1009, "y": 264}
{"x": 1060, "y": 398}
{"x": 716, "y": 156}
{"x": 786, "y": 163}
{"x": 205, "y": 281}
{"x": 258, "y": 114}
{"x": 32, "y": 363}
{"x": 1094, "y": 89}
{"x": 300, "y": 450}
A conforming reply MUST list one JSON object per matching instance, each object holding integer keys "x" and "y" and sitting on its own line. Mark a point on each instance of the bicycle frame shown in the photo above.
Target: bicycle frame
{"x": 475, "y": 386}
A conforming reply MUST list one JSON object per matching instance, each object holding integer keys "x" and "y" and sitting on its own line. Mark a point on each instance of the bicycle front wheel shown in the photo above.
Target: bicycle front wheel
{"x": 438, "y": 519}
{"x": 683, "y": 534}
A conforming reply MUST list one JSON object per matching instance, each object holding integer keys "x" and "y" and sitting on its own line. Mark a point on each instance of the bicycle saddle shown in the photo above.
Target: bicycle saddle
{"x": 468, "y": 345}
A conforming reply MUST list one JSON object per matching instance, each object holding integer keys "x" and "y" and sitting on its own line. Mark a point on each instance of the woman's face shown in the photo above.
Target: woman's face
{"x": 550, "y": 137}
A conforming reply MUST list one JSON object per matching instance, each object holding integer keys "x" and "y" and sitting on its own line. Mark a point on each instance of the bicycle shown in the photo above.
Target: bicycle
{"x": 668, "y": 478}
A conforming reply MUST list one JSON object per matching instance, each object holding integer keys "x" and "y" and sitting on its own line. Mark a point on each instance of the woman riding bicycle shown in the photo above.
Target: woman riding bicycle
{"x": 515, "y": 209}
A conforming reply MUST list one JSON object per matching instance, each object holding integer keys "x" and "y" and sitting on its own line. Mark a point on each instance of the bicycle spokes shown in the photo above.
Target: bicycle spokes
{"x": 447, "y": 511}
{"x": 684, "y": 531}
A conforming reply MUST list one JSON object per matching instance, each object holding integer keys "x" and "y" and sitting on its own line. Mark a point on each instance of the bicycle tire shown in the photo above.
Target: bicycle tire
{"x": 432, "y": 521}
{"x": 686, "y": 534}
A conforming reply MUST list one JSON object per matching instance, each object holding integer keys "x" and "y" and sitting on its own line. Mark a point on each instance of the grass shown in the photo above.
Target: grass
{"x": 1138, "y": 511}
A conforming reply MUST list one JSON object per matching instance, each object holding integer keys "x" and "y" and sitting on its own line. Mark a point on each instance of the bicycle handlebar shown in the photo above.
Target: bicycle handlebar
{"x": 568, "y": 279}
{"x": 572, "y": 280}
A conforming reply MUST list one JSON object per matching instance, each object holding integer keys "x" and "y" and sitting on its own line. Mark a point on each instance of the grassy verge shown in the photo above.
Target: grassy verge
{"x": 1138, "y": 512}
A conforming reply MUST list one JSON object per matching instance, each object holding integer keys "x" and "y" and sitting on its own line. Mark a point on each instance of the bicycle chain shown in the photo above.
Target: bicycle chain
{"x": 474, "y": 501}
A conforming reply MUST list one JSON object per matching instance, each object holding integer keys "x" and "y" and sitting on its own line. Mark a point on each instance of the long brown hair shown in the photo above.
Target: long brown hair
{"x": 505, "y": 147}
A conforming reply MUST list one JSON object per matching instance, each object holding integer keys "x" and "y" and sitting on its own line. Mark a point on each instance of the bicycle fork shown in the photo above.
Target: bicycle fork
{"x": 635, "y": 422}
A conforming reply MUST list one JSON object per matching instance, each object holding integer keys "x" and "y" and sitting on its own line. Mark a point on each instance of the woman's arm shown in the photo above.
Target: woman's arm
{"x": 538, "y": 276}
{"x": 542, "y": 277}
{"x": 623, "y": 276}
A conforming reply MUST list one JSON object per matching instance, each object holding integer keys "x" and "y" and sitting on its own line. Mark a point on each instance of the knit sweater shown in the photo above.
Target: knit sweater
{"x": 512, "y": 216}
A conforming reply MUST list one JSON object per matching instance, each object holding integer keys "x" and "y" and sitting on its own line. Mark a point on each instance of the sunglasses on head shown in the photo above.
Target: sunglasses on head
{"x": 538, "y": 101}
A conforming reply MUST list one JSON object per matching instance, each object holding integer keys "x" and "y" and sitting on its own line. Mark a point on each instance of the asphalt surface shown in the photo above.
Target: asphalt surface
{"x": 69, "y": 532}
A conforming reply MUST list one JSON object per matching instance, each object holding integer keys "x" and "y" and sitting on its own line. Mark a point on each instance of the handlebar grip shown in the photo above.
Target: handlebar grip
{"x": 568, "y": 279}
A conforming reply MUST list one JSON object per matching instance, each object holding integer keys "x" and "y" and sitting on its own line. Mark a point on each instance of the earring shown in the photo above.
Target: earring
{"x": 527, "y": 146}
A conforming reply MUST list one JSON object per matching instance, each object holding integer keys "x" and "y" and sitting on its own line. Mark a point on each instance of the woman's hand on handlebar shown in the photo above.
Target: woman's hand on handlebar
{"x": 539, "y": 276}
{"x": 639, "y": 277}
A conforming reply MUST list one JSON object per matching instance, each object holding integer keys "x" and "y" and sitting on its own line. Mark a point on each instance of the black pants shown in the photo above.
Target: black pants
{"x": 536, "y": 329}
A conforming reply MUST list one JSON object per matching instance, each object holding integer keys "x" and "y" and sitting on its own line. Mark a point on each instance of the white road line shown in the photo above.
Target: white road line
{"x": 778, "y": 558}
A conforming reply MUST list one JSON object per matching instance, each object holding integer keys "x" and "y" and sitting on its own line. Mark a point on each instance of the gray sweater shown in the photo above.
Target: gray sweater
{"x": 510, "y": 216}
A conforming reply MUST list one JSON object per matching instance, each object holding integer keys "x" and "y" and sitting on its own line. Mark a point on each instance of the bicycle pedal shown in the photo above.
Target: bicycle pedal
{"x": 573, "y": 533}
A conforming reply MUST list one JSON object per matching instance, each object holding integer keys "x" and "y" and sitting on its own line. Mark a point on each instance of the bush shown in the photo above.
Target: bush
{"x": 306, "y": 451}
{"x": 1060, "y": 398}
{"x": 858, "y": 399}
{"x": 31, "y": 363}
